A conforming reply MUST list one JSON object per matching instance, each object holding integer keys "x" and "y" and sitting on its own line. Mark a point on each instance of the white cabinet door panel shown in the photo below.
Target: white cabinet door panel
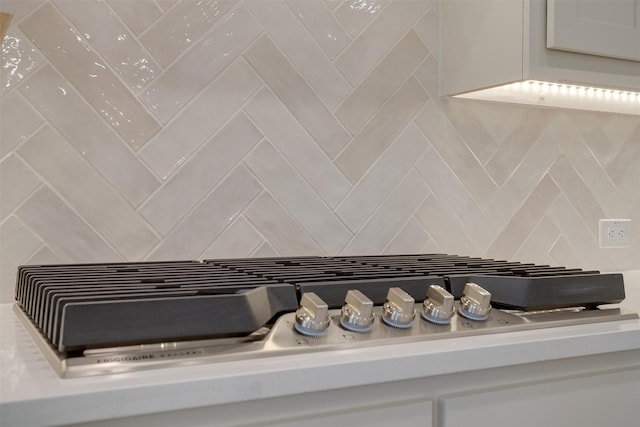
{"x": 594, "y": 401}
{"x": 598, "y": 27}
{"x": 405, "y": 414}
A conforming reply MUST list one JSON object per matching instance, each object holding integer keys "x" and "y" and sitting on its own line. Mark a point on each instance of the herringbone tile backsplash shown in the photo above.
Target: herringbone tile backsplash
{"x": 167, "y": 129}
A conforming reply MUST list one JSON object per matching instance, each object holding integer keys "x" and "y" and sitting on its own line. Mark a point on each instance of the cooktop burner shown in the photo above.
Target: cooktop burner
{"x": 94, "y": 318}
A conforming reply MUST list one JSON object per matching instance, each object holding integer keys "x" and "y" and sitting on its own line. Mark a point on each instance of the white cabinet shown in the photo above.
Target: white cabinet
{"x": 608, "y": 28}
{"x": 599, "y": 390}
{"x": 608, "y": 399}
{"x": 488, "y": 43}
{"x": 380, "y": 405}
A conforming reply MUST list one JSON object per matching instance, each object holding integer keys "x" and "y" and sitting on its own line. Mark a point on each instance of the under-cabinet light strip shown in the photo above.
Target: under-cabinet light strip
{"x": 544, "y": 88}
{"x": 562, "y": 95}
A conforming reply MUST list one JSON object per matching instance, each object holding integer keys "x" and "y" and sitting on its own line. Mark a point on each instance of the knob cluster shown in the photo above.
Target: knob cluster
{"x": 312, "y": 317}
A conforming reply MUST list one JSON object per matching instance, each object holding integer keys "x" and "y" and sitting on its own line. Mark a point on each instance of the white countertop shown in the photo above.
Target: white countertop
{"x": 32, "y": 393}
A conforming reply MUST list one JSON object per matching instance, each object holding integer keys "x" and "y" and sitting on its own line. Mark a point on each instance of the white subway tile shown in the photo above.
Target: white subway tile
{"x": 200, "y": 174}
{"x": 202, "y": 118}
{"x": 240, "y": 240}
{"x": 588, "y": 124}
{"x": 628, "y": 261}
{"x": 23, "y": 8}
{"x": 410, "y": 239}
{"x": 508, "y": 180}
{"x": 17, "y": 182}
{"x": 288, "y": 33}
{"x": 567, "y": 216}
{"x": 381, "y": 130}
{"x": 524, "y": 179}
{"x": 284, "y": 132}
{"x": 323, "y": 26}
{"x": 444, "y": 228}
{"x": 182, "y": 26}
{"x": 356, "y": 15}
{"x": 374, "y": 42}
{"x": 88, "y": 192}
{"x": 428, "y": 28}
{"x": 8, "y": 289}
{"x": 205, "y": 223}
{"x": 618, "y": 127}
{"x": 466, "y": 118}
{"x": 8, "y": 284}
{"x": 118, "y": 46}
{"x": 67, "y": 50}
{"x": 500, "y": 119}
{"x": 520, "y": 226}
{"x": 138, "y": 15}
{"x": 382, "y": 82}
{"x": 625, "y": 201}
{"x": 298, "y": 198}
{"x": 537, "y": 246}
{"x": 200, "y": 64}
{"x": 44, "y": 256}
{"x": 432, "y": 247}
{"x": 280, "y": 230}
{"x": 428, "y": 76}
{"x": 17, "y": 243}
{"x": 333, "y": 4}
{"x": 506, "y": 159}
{"x": 562, "y": 253}
{"x": 17, "y": 121}
{"x": 622, "y": 163}
{"x": 63, "y": 230}
{"x": 390, "y": 217}
{"x": 297, "y": 96}
{"x": 591, "y": 172}
{"x": 459, "y": 158}
{"x": 266, "y": 250}
{"x": 382, "y": 178}
{"x": 167, "y": 4}
{"x": 65, "y": 110}
{"x": 19, "y": 58}
{"x": 577, "y": 192}
{"x": 452, "y": 193}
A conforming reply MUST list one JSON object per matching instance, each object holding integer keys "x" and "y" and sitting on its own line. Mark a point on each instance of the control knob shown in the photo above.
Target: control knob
{"x": 398, "y": 310}
{"x": 438, "y": 307}
{"x": 357, "y": 312}
{"x": 475, "y": 303}
{"x": 312, "y": 317}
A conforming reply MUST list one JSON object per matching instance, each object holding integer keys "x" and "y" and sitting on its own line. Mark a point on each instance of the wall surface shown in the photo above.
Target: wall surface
{"x": 165, "y": 129}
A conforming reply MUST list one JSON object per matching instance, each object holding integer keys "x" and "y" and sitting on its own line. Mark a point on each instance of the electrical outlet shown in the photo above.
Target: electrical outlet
{"x": 615, "y": 233}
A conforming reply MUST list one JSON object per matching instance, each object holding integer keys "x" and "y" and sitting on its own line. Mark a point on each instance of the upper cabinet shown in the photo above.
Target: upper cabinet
{"x": 609, "y": 28}
{"x": 569, "y": 43}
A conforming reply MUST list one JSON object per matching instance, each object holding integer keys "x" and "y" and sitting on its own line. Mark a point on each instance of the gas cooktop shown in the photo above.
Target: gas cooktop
{"x": 116, "y": 317}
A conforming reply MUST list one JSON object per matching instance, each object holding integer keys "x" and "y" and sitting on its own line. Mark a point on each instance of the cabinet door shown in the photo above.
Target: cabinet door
{"x": 405, "y": 414}
{"x": 609, "y": 399}
{"x": 598, "y": 27}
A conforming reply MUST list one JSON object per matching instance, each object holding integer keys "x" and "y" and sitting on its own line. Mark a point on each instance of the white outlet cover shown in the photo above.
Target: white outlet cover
{"x": 615, "y": 233}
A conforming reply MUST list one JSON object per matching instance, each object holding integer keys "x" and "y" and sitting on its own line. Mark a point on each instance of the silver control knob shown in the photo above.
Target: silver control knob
{"x": 475, "y": 303}
{"x": 357, "y": 312}
{"x": 312, "y": 317}
{"x": 438, "y": 307}
{"x": 398, "y": 310}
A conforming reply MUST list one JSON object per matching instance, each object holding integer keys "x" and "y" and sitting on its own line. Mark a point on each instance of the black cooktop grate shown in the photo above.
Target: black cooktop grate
{"x": 79, "y": 306}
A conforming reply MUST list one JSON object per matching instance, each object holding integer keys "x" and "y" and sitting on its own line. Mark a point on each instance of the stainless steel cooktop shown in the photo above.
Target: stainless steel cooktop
{"x": 91, "y": 319}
